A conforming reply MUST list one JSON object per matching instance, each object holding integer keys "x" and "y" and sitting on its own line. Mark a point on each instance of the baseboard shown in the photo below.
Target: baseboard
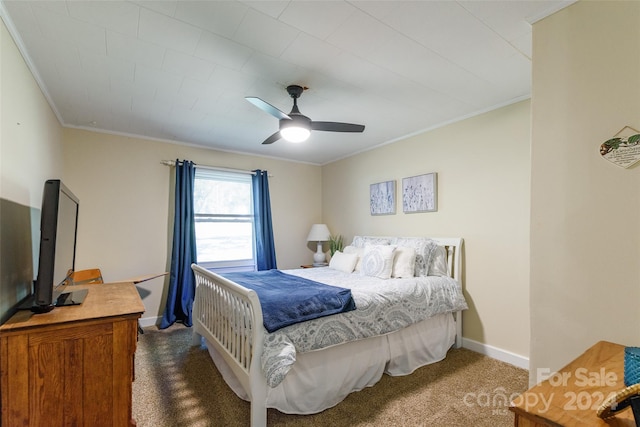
{"x": 149, "y": 321}
{"x": 496, "y": 353}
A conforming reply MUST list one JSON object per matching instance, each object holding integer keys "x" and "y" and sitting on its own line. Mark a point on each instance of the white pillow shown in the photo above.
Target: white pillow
{"x": 377, "y": 261}
{"x": 438, "y": 265}
{"x": 343, "y": 262}
{"x": 404, "y": 262}
{"x": 359, "y": 253}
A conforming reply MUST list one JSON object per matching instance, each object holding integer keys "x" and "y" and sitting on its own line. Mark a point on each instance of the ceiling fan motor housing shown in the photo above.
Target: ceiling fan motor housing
{"x": 295, "y": 91}
{"x": 297, "y": 120}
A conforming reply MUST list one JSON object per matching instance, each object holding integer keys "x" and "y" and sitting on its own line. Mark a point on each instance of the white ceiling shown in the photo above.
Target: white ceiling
{"x": 179, "y": 70}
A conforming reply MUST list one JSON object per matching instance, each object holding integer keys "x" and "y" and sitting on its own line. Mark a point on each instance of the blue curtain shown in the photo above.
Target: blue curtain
{"x": 265, "y": 248}
{"x": 181, "y": 281}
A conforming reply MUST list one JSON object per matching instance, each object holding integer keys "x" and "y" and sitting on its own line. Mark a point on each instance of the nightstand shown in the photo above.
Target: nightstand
{"x": 313, "y": 266}
{"x": 571, "y": 396}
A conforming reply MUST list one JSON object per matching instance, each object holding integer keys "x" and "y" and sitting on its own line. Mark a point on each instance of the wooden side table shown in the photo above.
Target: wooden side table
{"x": 572, "y": 396}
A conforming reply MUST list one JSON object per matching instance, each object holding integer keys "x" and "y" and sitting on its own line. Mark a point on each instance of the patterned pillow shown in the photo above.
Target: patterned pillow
{"x": 362, "y": 241}
{"x": 404, "y": 262}
{"x": 377, "y": 261}
{"x": 438, "y": 265}
{"x": 424, "y": 247}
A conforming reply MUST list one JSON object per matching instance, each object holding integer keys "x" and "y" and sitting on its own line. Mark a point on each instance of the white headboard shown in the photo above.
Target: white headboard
{"x": 453, "y": 246}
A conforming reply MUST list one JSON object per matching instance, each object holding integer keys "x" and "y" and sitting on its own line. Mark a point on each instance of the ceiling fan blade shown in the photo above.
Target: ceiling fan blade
{"x": 265, "y": 106}
{"x": 273, "y": 138}
{"x": 337, "y": 127}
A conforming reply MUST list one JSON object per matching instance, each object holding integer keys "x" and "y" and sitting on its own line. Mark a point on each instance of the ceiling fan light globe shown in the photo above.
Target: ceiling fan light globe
{"x": 295, "y": 133}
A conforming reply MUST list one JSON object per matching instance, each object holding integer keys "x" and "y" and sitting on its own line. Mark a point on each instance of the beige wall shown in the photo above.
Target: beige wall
{"x": 125, "y": 203}
{"x": 483, "y": 196}
{"x": 30, "y": 135}
{"x": 30, "y": 153}
{"x": 585, "y": 237}
{"x": 558, "y": 216}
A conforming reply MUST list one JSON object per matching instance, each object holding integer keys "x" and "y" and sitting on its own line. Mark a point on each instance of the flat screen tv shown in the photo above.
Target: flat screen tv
{"x": 58, "y": 235}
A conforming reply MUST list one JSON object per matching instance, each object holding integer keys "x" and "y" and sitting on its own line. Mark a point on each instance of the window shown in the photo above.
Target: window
{"x": 223, "y": 212}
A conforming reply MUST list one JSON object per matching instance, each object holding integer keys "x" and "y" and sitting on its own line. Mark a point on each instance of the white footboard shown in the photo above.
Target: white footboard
{"x": 229, "y": 316}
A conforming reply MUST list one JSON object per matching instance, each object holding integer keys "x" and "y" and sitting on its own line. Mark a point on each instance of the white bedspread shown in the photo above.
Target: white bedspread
{"x": 383, "y": 306}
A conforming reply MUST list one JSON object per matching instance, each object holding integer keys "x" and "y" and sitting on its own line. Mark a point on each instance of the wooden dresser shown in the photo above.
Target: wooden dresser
{"x": 572, "y": 396}
{"x": 73, "y": 365}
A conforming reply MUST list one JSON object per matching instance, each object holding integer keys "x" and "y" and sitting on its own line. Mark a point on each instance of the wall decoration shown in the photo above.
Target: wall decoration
{"x": 419, "y": 193}
{"x": 623, "y": 149}
{"x": 382, "y": 198}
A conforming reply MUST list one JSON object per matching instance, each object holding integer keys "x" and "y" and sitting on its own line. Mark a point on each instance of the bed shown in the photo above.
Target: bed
{"x": 310, "y": 366}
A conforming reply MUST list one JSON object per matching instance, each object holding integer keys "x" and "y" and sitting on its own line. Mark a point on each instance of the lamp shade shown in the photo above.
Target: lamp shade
{"x": 319, "y": 233}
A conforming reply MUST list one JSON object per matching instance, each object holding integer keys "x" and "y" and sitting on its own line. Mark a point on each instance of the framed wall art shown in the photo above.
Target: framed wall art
{"x": 420, "y": 193}
{"x": 382, "y": 198}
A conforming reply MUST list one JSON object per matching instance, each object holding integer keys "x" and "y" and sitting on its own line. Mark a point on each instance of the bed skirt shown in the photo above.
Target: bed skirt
{"x": 322, "y": 378}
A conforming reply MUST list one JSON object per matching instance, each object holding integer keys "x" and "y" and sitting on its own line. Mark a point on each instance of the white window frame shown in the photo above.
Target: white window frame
{"x": 229, "y": 265}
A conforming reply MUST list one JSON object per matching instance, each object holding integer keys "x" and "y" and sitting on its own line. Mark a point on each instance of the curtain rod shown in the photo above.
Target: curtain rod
{"x": 215, "y": 168}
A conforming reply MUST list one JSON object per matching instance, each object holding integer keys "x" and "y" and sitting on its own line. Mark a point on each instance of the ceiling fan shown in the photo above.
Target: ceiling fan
{"x": 296, "y": 127}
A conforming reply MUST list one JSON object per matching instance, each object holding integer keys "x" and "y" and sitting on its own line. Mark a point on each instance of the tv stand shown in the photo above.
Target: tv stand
{"x": 72, "y": 365}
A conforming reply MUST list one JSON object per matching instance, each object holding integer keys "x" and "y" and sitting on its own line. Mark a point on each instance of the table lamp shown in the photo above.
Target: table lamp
{"x": 319, "y": 233}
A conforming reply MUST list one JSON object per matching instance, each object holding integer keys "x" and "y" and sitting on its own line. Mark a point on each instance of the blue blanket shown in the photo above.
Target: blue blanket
{"x": 287, "y": 299}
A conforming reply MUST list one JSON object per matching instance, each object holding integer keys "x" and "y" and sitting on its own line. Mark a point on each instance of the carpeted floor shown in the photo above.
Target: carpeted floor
{"x": 177, "y": 385}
